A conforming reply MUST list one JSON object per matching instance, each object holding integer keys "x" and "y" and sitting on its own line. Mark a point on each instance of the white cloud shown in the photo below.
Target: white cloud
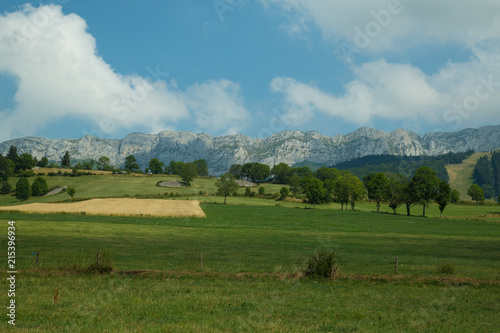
{"x": 218, "y": 106}
{"x": 394, "y": 23}
{"x": 401, "y": 92}
{"x": 382, "y": 90}
{"x": 60, "y": 75}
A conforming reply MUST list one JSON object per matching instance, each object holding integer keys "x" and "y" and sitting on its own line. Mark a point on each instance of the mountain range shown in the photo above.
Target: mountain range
{"x": 289, "y": 147}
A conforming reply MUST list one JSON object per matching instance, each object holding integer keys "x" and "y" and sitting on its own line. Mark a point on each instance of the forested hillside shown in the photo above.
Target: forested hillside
{"x": 487, "y": 174}
{"x": 404, "y": 165}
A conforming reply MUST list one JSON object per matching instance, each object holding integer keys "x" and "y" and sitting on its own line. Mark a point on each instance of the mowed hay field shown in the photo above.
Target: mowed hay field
{"x": 117, "y": 207}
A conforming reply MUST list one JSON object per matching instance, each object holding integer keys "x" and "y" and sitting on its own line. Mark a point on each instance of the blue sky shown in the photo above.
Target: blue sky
{"x": 108, "y": 68}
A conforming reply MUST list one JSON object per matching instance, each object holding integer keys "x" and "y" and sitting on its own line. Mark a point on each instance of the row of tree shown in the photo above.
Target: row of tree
{"x": 39, "y": 188}
{"x": 344, "y": 187}
{"x": 330, "y": 184}
{"x": 405, "y": 165}
{"x": 176, "y": 167}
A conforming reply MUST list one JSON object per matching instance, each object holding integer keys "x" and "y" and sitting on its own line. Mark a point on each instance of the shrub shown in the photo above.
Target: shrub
{"x": 39, "y": 187}
{"x": 284, "y": 193}
{"x": 71, "y": 191}
{"x": 324, "y": 263}
{"x": 25, "y": 173}
{"x": 262, "y": 190}
{"x": 248, "y": 192}
{"x": 23, "y": 189}
{"x": 5, "y": 188}
{"x": 445, "y": 267}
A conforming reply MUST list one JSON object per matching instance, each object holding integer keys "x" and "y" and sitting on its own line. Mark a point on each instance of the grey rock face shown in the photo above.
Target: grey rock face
{"x": 289, "y": 147}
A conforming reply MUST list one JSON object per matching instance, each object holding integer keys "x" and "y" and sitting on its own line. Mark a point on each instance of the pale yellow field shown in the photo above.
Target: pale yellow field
{"x": 117, "y": 207}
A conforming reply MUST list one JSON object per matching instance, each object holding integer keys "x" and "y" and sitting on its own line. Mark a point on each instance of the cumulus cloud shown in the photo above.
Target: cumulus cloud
{"x": 60, "y": 74}
{"x": 460, "y": 93}
{"x": 218, "y": 106}
{"x": 392, "y": 23}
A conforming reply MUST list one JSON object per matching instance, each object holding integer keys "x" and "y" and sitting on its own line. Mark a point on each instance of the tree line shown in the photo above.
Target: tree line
{"x": 405, "y": 165}
{"x": 333, "y": 185}
{"x": 487, "y": 175}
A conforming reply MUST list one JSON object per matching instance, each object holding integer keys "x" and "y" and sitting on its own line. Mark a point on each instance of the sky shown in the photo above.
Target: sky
{"x": 70, "y": 68}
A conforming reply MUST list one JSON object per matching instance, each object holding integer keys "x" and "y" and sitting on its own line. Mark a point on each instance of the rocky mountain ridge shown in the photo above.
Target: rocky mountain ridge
{"x": 288, "y": 146}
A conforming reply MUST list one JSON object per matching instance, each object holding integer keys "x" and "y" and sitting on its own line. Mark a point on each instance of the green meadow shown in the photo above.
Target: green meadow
{"x": 240, "y": 268}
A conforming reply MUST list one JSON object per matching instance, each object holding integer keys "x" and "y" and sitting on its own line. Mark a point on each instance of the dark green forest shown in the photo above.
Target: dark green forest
{"x": 487, "y": 174}
{"x": 404, "y": 165}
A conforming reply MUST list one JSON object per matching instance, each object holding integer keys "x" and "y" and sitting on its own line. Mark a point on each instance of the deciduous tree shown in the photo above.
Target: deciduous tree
{"x": 443, "y": 196}
{"x": 23, "y": 189}
{"x": 476, "y": 193}
{"x": 131, "y": 163}
{"x": 201, "y": 167}
{"x": 256, "y": 172}
{"x": 25, "y": 162}
{"x": 188, "y": 173}
{"x": 103, "y": 162}
{"x": 378, "y": 188}
{"x": 236, "y": 171}
{"x": 313, "y": 189}
{"x": 39, "y": 187}
{"x": 155, "y": 166}
{"x": 281, "y": 173}
{"x": 174, "y": 168}
{"x": 44, "y": 161}
{"x": 5, "y": 187}
{"x": 423, "y": 186}
{"x": 226, "y": 185}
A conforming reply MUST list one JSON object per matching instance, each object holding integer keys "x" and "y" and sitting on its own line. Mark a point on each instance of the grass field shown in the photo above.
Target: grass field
{"x": 121, "y": 185}
{"x": 253, "y": 251}
{"x": 461, "y": 174}
{"x": 132, "y": 185}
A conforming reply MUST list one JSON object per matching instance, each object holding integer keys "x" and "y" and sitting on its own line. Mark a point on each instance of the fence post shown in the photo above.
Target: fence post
{"x": 201, "y": 259}
{"x": 37, "y": 256}
{"x": 98, "y": 258}
{"x": 396, "y": 265}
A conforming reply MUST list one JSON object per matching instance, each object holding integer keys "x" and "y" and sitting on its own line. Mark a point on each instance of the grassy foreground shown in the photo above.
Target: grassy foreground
{"x": 90, "y": 303}
{"x": 249, "y": 281}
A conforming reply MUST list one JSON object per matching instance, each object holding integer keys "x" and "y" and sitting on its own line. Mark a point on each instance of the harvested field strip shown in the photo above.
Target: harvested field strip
{"x": 117, "y": 207}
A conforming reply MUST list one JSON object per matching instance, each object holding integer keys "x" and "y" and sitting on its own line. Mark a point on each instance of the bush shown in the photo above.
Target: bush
{"x": 5, "y": 188}
{"x": 71, "y": 191}
{"x": 248, "y": 192}
{"x": 39, "y": 187}
{"x": 23, "y": 189}
{"x": 323, "y": 264}
{"x": 284, "y": 193}
{"x": 262, "y": 190}
{"x": 446, "y": 267}
{"x": 25, "y": 173}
